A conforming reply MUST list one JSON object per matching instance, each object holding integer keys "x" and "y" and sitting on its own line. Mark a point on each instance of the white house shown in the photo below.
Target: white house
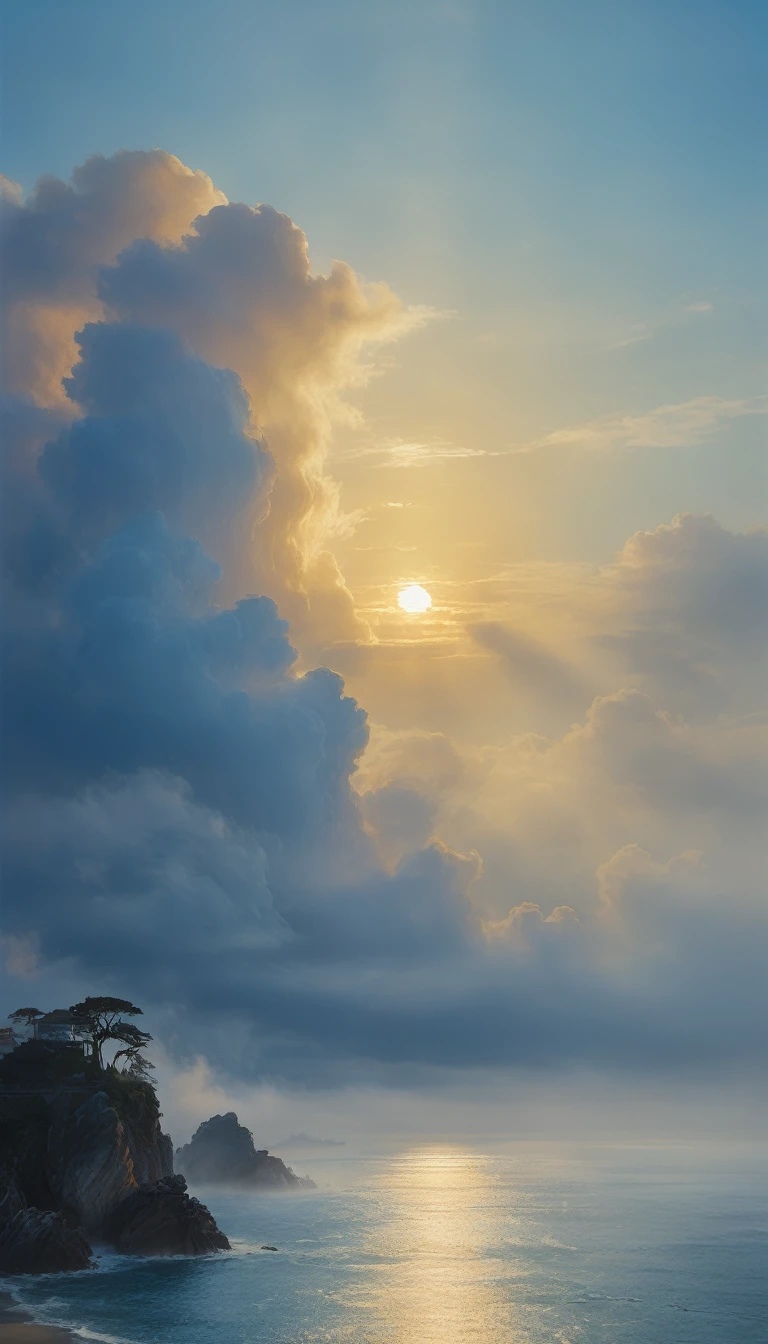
{"x": 59, "y": 1028}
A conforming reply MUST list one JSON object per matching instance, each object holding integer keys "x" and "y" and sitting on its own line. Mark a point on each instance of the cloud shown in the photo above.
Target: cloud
{"x": 619, "y": 875}
{"x": 145, "y": 868}
{"x": 400, "y": 453}
{"x": 641, "y": 332}
{"x": 679, "y": 425}
{"x": 696, "y": 570}
{"x": 664, "y": 322}
{"x": 193, "y": 819}
{"x": 527, "y": 919}
{"x": 139, "y": 671}
{"x": 52, "y": 244}
{"x": 240, "y": 291}
{"x": 160, "y": 430}
{"x": 400, "y": 818}
{"x": 688, "y": 614}
{"x": 21, "y": 956}
{"x": 141, "y": 238}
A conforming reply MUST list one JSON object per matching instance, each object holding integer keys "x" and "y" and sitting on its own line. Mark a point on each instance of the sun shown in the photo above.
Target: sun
{"x": 414, "y": 599}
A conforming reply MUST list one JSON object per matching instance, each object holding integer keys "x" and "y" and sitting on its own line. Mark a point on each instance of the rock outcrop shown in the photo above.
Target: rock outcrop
{"x": 12, "y": 1198}
{"x": 37, "y": 1241}
{"x": 95, "y": 1159}
{"x": 89, "y": 1161}
{"x": 76, "y": 1151}
{"x": 162, "y": 1219}
{"x": 222, "y": 1152}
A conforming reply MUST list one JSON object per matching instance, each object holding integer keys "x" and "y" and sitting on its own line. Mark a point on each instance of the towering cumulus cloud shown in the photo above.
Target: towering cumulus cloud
{"x": 143, "y": 238}
{"x": 240, "y": 291}
{"x": 191, "y": 820}
{"x": 54, "y": 242}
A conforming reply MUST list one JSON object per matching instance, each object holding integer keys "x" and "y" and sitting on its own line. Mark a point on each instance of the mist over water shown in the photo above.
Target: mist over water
{"x": 541, "y": 1243}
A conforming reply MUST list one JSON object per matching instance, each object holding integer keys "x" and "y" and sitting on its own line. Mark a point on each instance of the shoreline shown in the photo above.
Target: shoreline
{"x": 18, "y": 1327}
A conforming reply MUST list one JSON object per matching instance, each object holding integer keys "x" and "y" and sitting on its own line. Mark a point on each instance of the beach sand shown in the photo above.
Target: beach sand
{"x": 17, "y": 1327}
{"x": 26, "y": 1332}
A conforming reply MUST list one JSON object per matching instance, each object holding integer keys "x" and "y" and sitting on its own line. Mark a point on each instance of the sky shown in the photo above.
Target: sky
{"x": 304, "y": 304}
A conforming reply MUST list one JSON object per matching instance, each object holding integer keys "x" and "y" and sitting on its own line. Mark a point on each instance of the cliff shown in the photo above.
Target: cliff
{"x": 36, "y": 1241}
{"x": 222, "y": 1152}
{"x": 76, "y": 1147}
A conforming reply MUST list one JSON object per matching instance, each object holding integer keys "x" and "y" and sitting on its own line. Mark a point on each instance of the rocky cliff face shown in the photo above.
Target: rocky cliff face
{"x": 73, "y": 1156}
{"x": 222, "y": 1152}
{"x": 95, "y": 1159}
{"x": 36, "y": 1241}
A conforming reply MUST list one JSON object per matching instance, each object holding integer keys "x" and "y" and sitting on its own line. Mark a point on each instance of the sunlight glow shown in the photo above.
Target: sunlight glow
{"x": 414, "y": 599}
{"x": 445, "y": 1203}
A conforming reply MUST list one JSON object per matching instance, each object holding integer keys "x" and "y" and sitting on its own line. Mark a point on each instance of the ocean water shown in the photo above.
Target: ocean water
{"x": 536, "y": 1244}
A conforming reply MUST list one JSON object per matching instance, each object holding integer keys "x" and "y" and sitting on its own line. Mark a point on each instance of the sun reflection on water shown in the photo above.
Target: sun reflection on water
{"x": 438, "y": 1276}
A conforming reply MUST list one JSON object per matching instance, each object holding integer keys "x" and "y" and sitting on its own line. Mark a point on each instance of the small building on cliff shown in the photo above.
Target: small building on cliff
{"x": 60, "y": 1028}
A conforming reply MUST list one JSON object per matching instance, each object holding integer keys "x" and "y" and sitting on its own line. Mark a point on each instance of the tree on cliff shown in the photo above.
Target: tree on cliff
{"x": 133, "y": 1041}
{"x": 28, "y": 1015}
{"x": 140, "y": 1069}
{"x": 101, "y": 1019}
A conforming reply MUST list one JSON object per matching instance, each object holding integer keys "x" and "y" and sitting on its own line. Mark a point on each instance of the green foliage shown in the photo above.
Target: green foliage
{"x": 133, "y": 1040}
{"x": 135, "y": 1101}
{"x": 140, "y": 1068}
{"x": 103, "y": 1006}
{"x": 36, "y": 1068}
{"x": 40, "y": 1066}
{"x": 27, "y": 1015}
{"x": 102, "y": 1019}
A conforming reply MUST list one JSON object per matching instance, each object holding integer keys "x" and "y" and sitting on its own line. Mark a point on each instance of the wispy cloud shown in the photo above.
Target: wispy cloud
{"x": 645, "y": 331}
{"x": 412, "y": 453}
{"x": 672, "y": 426}
{"x": 641, "y": 333}
{"x": 389, "y": 546}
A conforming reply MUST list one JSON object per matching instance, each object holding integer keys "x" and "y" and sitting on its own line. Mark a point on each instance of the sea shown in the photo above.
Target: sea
{"x": 526, "y": 1243}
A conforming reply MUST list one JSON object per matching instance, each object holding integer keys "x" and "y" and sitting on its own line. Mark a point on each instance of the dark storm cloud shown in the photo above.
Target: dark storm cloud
{"x": 132, "y": 876}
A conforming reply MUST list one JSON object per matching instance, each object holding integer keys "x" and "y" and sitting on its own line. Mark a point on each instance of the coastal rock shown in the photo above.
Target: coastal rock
{"x": 163, "y": 1157}
{"x": 96, "y": 1159}
{"x": 222, "y": 1152}
{"x": 12, "y": 1199}
{"x": 83, "y": 1155}
{"x": 162, "y": 1219}
{"x": 89, "y": 1161}
{"x": 37, "y": 1241}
